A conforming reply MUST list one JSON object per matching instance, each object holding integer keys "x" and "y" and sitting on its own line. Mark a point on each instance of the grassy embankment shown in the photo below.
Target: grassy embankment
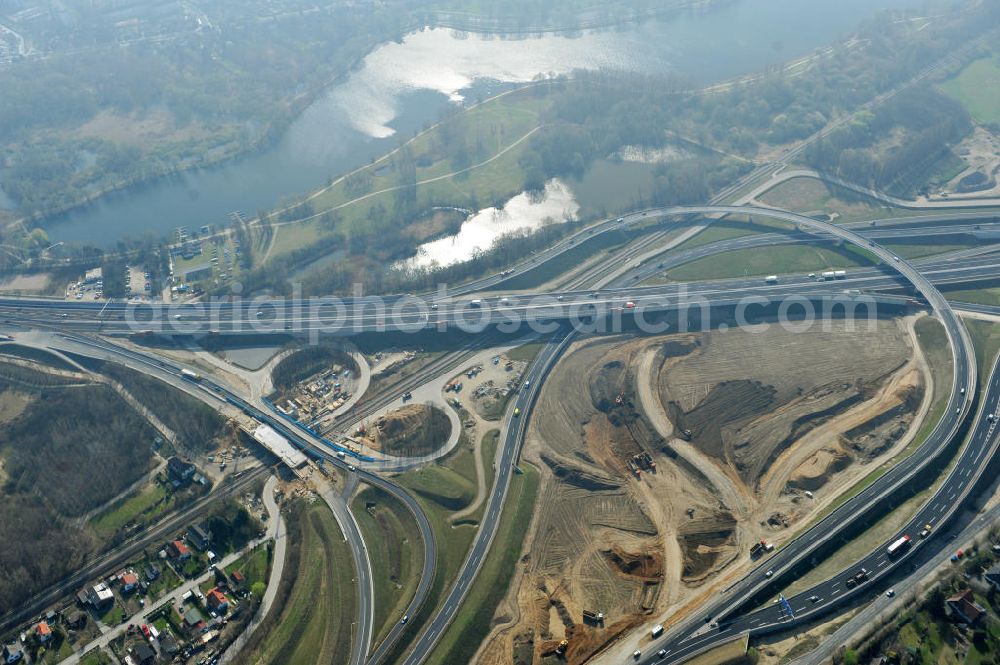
{"x": 472, "y": 623}
{"x": 395, "y": 551}
{"x": 443, "y": 489}
{"x": 987, "y": 296}
{"x": 313, "y": 616}
{"x": 492, "y": 136}
{"x": 986, "y": 338}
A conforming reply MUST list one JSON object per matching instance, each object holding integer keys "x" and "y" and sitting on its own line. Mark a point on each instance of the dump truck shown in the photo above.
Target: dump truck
{"x": 657, "y": 630}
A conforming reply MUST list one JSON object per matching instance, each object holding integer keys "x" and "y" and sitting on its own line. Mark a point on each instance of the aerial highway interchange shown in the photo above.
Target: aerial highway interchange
{"x": 731, "y": 615}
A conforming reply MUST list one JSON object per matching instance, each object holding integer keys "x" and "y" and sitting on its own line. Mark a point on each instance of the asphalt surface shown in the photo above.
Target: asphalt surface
{"x": 216, "y": 395}
{"x": 515, "y": 427}
{"x": 349, "y": 316}
{"x": 825, "y": 597}
{"x": 717, "y": 292}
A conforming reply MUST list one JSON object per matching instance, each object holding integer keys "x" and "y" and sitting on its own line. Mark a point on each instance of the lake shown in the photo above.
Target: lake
{"x": 402, "y": 86}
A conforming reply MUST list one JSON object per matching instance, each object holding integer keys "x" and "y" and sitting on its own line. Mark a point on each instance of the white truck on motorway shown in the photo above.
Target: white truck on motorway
{"x": 898, "y": 546}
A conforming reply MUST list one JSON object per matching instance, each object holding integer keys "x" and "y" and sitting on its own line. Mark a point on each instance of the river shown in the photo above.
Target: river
{"x": 401, "y": 87}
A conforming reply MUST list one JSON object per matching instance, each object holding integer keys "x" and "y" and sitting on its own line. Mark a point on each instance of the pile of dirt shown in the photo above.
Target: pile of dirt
{"x": 642, "y": 565}
{"x": 707, "y": 544}
{"x": 415, "y": 429}
{"x": 727, "y": 405}
{"x": 580, "y": 477}
{"x": 873, "y": 437}
{"x": 815, "y": 472}
{"x": 607, "y": 385}
{"x": 745, "y": 415}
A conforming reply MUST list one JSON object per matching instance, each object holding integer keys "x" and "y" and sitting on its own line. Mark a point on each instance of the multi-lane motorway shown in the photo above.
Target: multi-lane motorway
{"x": 826, "y": 596}
{"x": 691, "y": 636}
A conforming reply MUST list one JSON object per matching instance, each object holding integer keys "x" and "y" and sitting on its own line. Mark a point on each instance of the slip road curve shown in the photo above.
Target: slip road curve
{"x": 215, "y": 394}
{"x": 824, "y": 597}
{"x": 964, "y": 375}
{"x": 959, "y": 403}
{"x": 515, "y": 428}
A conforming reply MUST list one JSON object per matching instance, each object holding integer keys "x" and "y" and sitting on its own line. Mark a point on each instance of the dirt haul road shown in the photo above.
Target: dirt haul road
{"x": 613, "y": 535}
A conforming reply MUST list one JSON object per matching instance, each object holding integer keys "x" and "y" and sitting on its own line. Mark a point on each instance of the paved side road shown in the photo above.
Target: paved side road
{"x": 275, "y": 531}
{"x": 277, "y": 570}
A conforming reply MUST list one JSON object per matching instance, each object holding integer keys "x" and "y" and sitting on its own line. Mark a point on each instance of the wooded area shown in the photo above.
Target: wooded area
{"x": 70, "y": 451}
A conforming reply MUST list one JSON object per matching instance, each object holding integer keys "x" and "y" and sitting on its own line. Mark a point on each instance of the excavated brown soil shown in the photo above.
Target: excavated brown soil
{"x": 636, "y": 516}
{"x": 646, "y": 566}
{"x": 415, "y": 429}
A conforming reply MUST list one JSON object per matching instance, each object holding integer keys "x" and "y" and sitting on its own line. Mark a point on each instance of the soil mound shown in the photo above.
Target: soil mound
{"x": 416, "y": 429}
{"x": 582, "y": 478}
{"x": 642, "y": 565}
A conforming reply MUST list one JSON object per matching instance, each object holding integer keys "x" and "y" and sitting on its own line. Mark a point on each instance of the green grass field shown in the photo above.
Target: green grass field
{"x": 492, "y": 135}
{"x": 808, "y": 195}
{"x": 95, "y": 657}
{"x": 145, "y": 505}
{"x": 254, "y": 566}
{"x": 920, "y": 250}
{"x": 760, "y": 261}
{"x": 987, "y": 296}
{"x": 315, "y": 625}
{"x": 472, "y": 622}
{"x": 977, "y": 87}
{"x": 435, "y": 488}
{"x": 396, "y": 552}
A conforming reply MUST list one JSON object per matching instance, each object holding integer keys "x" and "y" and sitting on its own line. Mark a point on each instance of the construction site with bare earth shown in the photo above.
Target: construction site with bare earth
{"x": 671, "y": 465}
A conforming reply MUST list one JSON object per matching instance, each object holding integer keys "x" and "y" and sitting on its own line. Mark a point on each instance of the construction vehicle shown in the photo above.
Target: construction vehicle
{"x": 685, "y": 434}
{"x": 563, "y": 644}
{"x": 620, "y": 399}
{"x": 644, "y": 461}
{"x": 657, "y": 630}
{"x": 593, "y": 617}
